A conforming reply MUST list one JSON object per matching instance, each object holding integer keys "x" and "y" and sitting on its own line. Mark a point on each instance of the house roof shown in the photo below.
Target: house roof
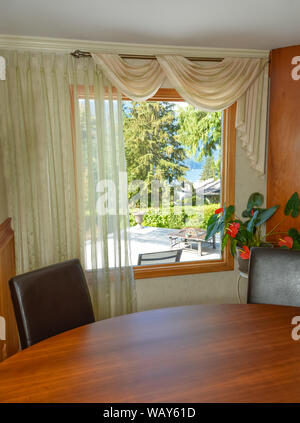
{"x": 209, "y": 186}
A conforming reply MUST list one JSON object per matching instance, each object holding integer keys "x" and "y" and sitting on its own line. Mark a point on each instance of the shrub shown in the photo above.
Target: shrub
{"x": 160, "y": 219}
{"x": 132, "y": 221}
{"x": 177, "y": 218}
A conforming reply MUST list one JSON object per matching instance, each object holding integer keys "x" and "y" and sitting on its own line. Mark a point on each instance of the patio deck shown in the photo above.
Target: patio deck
{"x": 150, "y": 240}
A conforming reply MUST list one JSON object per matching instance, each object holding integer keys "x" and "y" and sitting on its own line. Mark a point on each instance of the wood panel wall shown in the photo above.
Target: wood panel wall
{"x": 284, "y": 134}
{"x": 7, "y": 270}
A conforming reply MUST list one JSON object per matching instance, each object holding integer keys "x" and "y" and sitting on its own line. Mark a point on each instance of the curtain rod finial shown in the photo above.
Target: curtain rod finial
{"x": 79, "y": 53}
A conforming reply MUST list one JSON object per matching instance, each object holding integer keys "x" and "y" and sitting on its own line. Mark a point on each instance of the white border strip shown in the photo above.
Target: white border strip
{"x": 62, "y": 45}
{"x": 2, "y": 68}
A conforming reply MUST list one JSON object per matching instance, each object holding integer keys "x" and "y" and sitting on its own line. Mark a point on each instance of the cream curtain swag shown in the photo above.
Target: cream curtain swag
{"x": 138, "y": 82}
{"x": 210, "y": 87}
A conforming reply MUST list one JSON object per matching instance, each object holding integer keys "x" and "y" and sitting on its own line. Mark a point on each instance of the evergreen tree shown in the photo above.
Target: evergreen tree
{"x": 211, "y": 169}
{"x": 151, "y": 146}
{"x": 199, "y": 131}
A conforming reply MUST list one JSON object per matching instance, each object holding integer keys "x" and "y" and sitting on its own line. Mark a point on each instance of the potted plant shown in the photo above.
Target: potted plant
{"x": 139, "y": 217}
{"x": 242, "y": 235}
{"x": 291, "y": 240}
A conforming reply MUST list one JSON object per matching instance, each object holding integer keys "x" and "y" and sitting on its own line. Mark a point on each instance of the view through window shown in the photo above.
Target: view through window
{"x": 173, "y": 155}
{"x": 174, "y": 160}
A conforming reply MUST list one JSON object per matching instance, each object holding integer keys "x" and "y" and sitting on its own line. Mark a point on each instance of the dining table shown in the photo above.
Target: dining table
{"x": 196, "y": 353}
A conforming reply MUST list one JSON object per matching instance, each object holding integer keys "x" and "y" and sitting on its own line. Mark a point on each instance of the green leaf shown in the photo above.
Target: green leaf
{"x": 246, "y": 213}
{"x": 252, "y": 222}
{"x": 265, "y": 215}
{"x": 212, "y": 230}
{"x": 212, "y": 226}
{"x": 218, "y": 222}
{"x": 233, "y": 245}
{"x": 255, "y": 200}
{"x": 212, "y": 220}
{"x": 296, "y": 245}
{"x": 293, "y": 206}
{"x": 249, "y": 213}
{"x": 228, "y": 212}
{"x": 224, "y": 241}
{"x": 222, "y": 223}
{"x": 293, "y": 233}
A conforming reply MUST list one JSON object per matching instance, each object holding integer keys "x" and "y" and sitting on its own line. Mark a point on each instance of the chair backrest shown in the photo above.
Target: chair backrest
{"x": 274, "y": 277}
{"x": 171, "y": 256}
{"x": 50, "y": 300}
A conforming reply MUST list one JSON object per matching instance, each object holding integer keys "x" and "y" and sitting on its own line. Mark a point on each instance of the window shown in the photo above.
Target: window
{"x": 177, "y": 164}
{"x": 181, "y": 168}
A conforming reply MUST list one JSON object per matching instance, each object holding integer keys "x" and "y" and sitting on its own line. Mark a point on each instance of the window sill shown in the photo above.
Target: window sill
{"x": 184, "y": 268}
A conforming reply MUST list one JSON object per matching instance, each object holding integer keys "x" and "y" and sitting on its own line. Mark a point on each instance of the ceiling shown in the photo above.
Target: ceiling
{"x": 256, "y": 24}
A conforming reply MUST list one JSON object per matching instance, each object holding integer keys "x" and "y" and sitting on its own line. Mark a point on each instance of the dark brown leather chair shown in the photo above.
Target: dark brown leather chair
{"x": 50, "y": 300}
{"x": 274, "y": 277}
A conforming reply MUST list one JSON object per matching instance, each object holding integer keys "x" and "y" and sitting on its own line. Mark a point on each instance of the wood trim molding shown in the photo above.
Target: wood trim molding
{"x": 183, "y": 268}
{"x": 63, "y": 45}
{"x": 7, "y": 270}
{"x": 166, "y": 94}
{"x": 228, "y": 196}
{"x": 163, "y": 94}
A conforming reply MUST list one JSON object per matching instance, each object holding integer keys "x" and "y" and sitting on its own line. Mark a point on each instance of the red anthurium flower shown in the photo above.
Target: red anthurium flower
{"x": 287, "y": 241}
{"x": 245, "y": 252}
{"x": 233, "y": 229}
{"x": 218, "y": 211}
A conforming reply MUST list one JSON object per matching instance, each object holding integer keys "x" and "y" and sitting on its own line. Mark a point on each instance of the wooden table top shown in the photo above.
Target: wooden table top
{"x": 205, "y": 353}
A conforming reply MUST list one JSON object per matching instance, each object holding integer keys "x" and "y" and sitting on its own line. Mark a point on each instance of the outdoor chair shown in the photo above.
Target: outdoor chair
{"x": 172, "y": 256}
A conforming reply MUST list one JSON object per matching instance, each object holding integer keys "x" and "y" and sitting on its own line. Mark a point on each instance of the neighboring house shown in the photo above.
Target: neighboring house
{"x": 209, "y": 188}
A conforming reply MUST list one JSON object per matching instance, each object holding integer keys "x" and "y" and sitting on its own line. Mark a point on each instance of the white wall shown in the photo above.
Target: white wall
{"x": 217, "y": 287}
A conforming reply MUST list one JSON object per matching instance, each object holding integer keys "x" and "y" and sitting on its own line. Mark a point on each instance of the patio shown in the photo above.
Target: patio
{"x": 150, "y": 239}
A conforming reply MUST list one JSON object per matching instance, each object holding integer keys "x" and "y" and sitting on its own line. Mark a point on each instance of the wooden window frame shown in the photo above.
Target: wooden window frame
{"x": 226, "y": 262}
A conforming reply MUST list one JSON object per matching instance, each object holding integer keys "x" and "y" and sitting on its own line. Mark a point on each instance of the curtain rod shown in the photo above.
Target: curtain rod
{"x": 79, "y": 53}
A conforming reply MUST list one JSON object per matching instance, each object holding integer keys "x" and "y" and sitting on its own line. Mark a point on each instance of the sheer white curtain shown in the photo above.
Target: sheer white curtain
{"x": 61, "y": 135}
{"x": 211, "y": 87}
{"x": 102, "y": 190}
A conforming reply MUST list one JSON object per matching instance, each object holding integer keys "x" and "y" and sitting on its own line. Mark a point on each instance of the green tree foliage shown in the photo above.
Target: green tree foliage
{"x": 151, "y": 146}
{"x": 199, "y": 131}
{"x": 211, "y": 169}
